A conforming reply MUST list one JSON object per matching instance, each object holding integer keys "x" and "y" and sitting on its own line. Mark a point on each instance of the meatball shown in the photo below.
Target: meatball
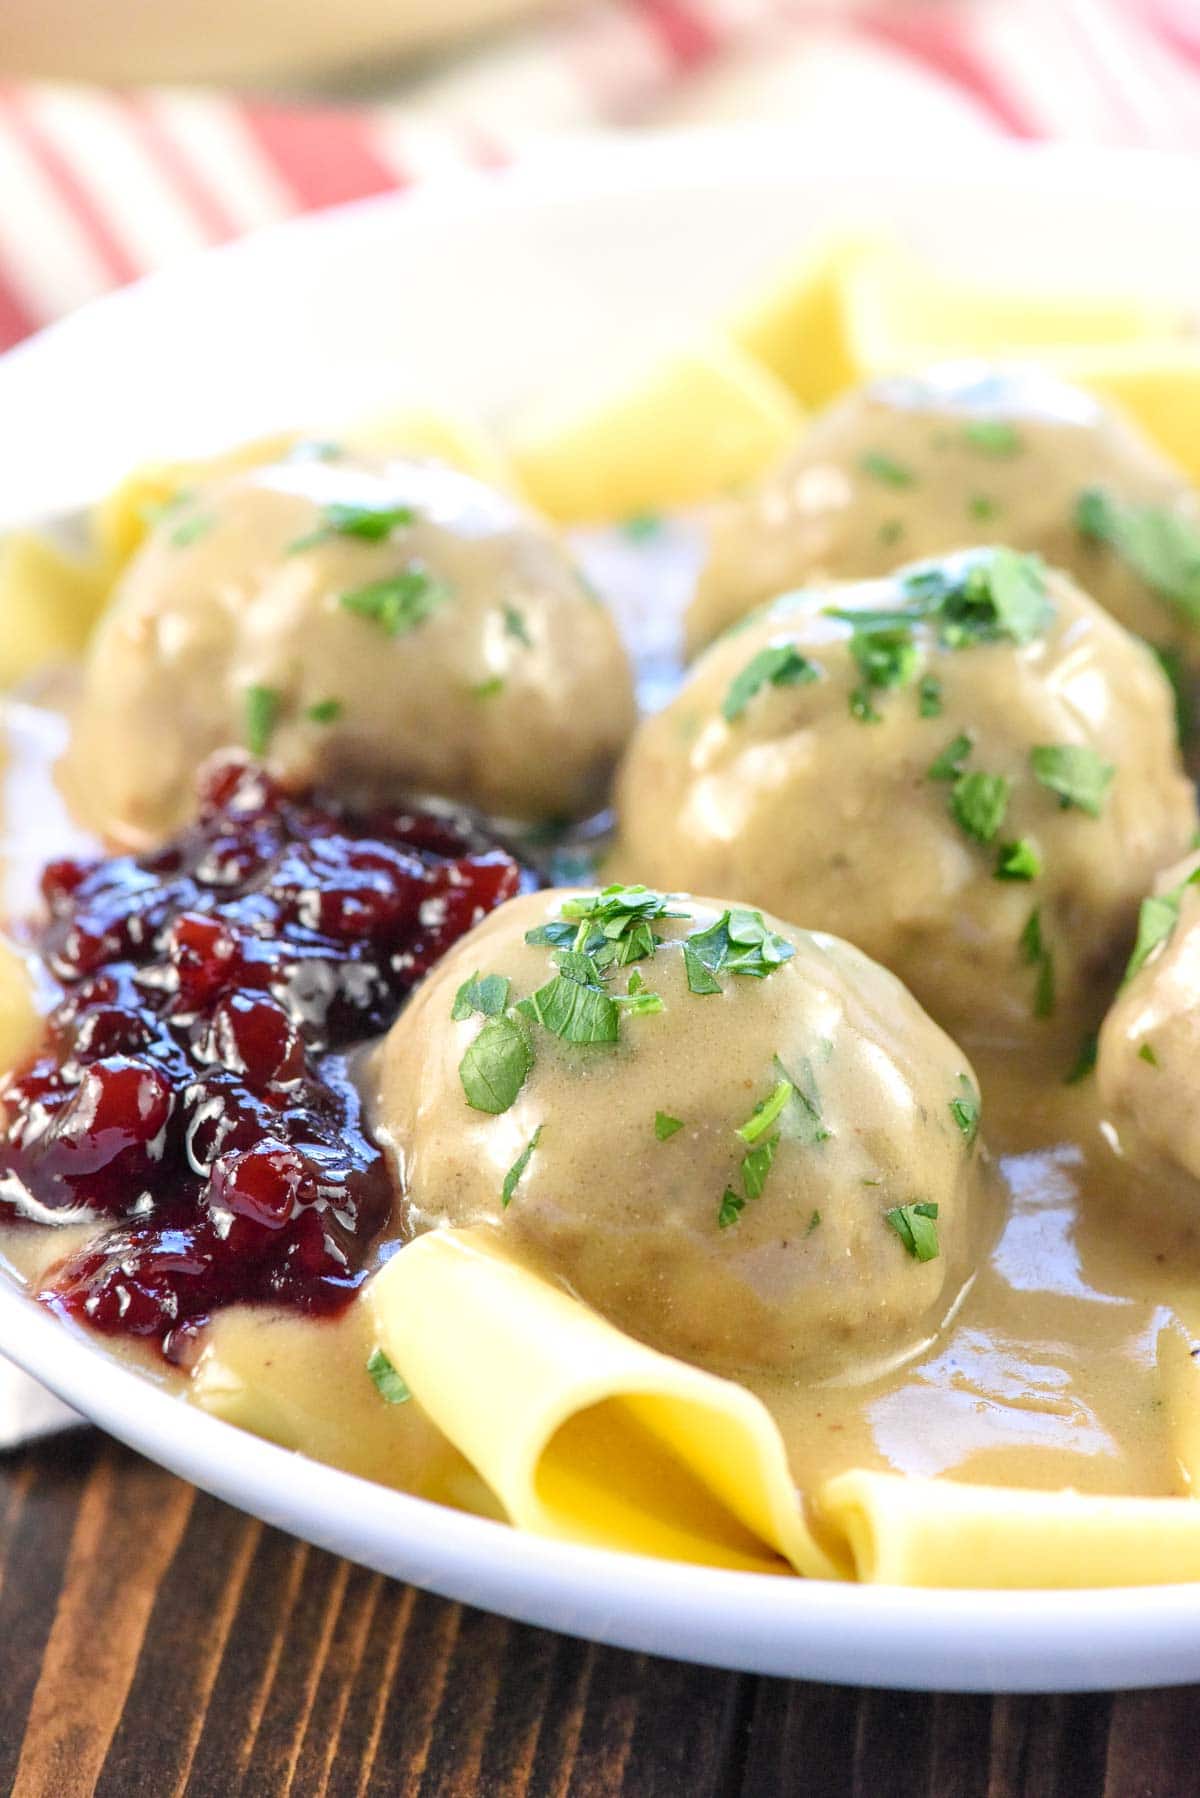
{"x": 744, "y": 1144}
{"x": 1149, "y": 1046}
{"x": 968, "y": 769}
{"x": 383, "y": 628}
{"x": 965, "y": 454}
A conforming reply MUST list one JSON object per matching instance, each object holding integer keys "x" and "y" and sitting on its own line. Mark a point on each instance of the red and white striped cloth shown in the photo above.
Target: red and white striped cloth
{"x": 97, "y": 186}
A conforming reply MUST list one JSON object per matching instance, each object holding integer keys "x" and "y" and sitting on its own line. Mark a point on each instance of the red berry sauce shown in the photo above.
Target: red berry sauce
{"x": 190, "y": 1084}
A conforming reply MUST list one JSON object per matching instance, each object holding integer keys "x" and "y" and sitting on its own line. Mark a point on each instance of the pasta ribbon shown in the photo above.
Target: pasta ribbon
{"x": 583, "y": 1433}
{"x": 904, "y": 1531}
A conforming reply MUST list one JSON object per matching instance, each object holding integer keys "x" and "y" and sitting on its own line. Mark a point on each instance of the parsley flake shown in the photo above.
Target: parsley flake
{"x": 978, "y": 804}
{"x": 496, "y": 1065}
{"x": 518, "y": 1168}
{"x": 1146, "y": 1054}
{"x": 399, "y": 602}
{"x": 757, "y": 1165}
{"x": 766, "y": 1112}
{"x": 577, "y": 1011}
{"x": 779, "y": 665}
{"x": 665, "y": 1126}
{"x": 488, "y": 689}
{"x": 325, "y": 711}
{"x": 992, "y": 437}
{"x": 1077, "y": 774}
{"x": 965, "y": 1109}
{"x": 262, "y": 714}
{"x": 1036, "y": 953}
{"x": 813, "y": 1221}
{"x": 885, "y": 468}
{"x": 1161, "y": 546}
{"x": 388, "y": 1383}
{"x": 1018, "y": 861}
{"x": 916, "y": 1226}
{"x": 740, "y": 942}
{"x": 731, "y": 1207}
{"x": 371, "y": 524}
{"x": 949, "y": 764}
{"x": 1157, "y": 918}
{"x": 886, "y": 658}
{"x": 1085, "y": 1060}
{"x": 929, "y": 697}
{"x": 515, "y": 626}
{"x": 487, "y": 997}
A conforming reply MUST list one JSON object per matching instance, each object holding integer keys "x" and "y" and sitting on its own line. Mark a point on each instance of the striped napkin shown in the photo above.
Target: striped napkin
{"x": 98, "y": 187}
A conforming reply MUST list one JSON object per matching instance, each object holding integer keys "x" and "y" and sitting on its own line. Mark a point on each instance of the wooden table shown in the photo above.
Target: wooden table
{"x": 154, "y": 1641}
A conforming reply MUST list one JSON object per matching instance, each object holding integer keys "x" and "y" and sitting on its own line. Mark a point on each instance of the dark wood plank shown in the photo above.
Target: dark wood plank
{"x": 154, "y": 1642}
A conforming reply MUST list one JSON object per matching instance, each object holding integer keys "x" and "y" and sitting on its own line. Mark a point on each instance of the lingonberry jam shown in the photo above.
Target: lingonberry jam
{"x": 189, "y": 1092}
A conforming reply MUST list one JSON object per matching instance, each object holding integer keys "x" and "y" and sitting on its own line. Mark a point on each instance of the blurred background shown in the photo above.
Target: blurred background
{"x": 134, "y": 132}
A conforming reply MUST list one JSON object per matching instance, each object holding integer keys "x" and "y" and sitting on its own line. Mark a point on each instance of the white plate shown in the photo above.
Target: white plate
{"x": 479, "y": 290}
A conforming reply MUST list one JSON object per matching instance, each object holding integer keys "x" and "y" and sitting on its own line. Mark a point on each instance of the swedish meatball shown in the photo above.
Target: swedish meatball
{"x": 744, "y": 1144}
{"x": 381, "y": 628}
{"x": 964, "y": 454}
{"x": 968, "y": 769}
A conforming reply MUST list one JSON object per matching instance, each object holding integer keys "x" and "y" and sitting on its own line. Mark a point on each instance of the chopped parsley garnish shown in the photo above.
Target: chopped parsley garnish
{"x": 399, "y": 602}
{"x": 369, "y": 523}
{"x": 1157, "y": 918}
{"x": 496, "y": 1064}
{"x": 738, "y": 943}
{"x": 992, "y": 437}
{"x": 886, "y": 658}
{"x": 885, "y": 468}
{"x": 388, "y": 1383}
{"x": 1018, "y": 861}
{"x": 515, "y": 626}
{"x": 190, "y": 530}
{"x": 964, "y": 1109}
{"x": 916, "y": 1226}
{"x": 1077, "y": 774}
{"x": 978, "y": 803}
{"x": 766, "y": 1112}
{"x": 325, "y": 711}
{"x": 990, "y": 596}
{"x": 803, "y": 1119}
{"x": 981, "y": 507}
{"x": 949, "y": 764}
{"x": 1161, "y": 546}
{"x": 262, "y": 715}
{"x": 518, "y": 1168}
{"x": 1146, "y": 1053}
{"x": 813, "y": 1221}
{"x": 929, "y": 697}
{"x": 1172, "y": 664}
{"x": 731, "y": 1207}
{"x": 1085, "y": 1061}
{"x": 779, "y": 665}
{"x": 665, "y": 1126}
{"x": 698, "y": 977}
{"x": 757, "y": 1165}
{"x": 862, "y": 708}
{"x": 1036, "y": 953}
{"x": 487, "y": 997}
{"x": 488, "y": 689}
{"x": 576, "y": 1010}
{"x": 643, "y": 527}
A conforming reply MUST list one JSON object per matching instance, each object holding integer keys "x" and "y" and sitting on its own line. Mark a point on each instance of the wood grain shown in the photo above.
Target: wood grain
{"x": 154, "y": 1642}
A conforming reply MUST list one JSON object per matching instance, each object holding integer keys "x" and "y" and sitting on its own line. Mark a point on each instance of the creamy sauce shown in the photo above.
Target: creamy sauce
{"x": 1066, "y": 1363}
